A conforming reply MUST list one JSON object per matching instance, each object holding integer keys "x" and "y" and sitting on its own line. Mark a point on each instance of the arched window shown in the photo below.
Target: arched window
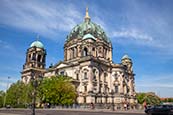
{"x": 84, "y": 99}
{"x": 39, "y": 58}
{"x": 77, "y": 76}
{"x": 85, "y": 51}
{"x": 93, "y": 51}
{"x": 85, "y": 88}
{"x": 73, "y": 53}
{"x": 94, "y": 74}
{"x": 85, "y": 75}
{"x": 116, "y": 89}
{"x": 105, "y": 75}
{"x": 34, "y": 56}
{"x": 44, "y": 58}
{"x": 29, "y": 56}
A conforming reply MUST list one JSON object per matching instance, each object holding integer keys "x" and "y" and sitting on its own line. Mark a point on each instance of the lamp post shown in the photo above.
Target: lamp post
{"x": 33, "y": 93}
{"x": 112, "y": 94}
{"x": 35, "y": 83}
{"x": 5, "y": 97}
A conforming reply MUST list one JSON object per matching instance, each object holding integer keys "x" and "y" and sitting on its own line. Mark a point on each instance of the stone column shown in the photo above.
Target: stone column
{"x": 90, "y": 78}
{"x": 78, "y": 51}
{"x": 68, "y": 54}
{"x": 121, "y": 85}
{"x": 41, "y": 59}
{"x": 131, "y": 86}
{"x": 80, "y": 87}
{"x": 111, "y": 83}
{"x": 36, "y": 57}
{"x": 65, "y": 54}
{"x": 110, "y": 54}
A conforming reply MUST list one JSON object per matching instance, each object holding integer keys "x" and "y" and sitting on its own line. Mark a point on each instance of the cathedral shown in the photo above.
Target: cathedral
{"x": 88, "y": 60}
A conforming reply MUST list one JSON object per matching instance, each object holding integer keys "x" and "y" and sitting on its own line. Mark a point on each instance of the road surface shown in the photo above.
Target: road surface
{"x": 67, "y": 112}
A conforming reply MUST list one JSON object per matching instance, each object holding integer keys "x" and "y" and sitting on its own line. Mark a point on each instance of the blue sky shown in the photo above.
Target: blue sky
{"x": 143, "y": 29}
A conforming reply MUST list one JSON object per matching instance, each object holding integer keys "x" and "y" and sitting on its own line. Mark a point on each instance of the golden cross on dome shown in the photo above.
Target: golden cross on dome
{"x": 87, "y": 17}
{"x": 38, "y": 36}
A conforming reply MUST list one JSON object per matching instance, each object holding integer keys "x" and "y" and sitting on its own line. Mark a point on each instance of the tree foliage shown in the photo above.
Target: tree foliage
{"x": 167, "y": 100}
{"x": 2, "y": 95}
{"x": 19, "y": 94}
{"x": 140, "y": 97}
{"x": 54, "y": 90}
{"x": 57, "y": 90}
{"x": 149, "y": 98}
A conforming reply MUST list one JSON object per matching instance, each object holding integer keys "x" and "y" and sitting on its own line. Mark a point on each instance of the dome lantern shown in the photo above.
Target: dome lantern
{"x": 126, "y": 58}
{"x": 87, "y": 17}
{"x": 37, "y": 44}
{"x": 88, "y": 27}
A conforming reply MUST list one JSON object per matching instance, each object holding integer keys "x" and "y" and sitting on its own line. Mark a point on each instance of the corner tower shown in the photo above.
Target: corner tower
{"x": 35, "y": 61}
{"x": 127, "y": 62}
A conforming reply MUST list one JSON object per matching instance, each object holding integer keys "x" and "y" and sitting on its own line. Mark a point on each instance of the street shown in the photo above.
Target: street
{"x": 67, "y": 112}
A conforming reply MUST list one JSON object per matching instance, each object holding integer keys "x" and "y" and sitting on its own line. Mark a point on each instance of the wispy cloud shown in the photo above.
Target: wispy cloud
{"x": 7, "y": 50}
{"x": 5, "y": 45}
{"x": 156, "y": 83}
{"x": 132, "y": 34}
{"x": 46, "y": 18}
{"x": 154, "y": 23}
{"x": 6, "y": 81}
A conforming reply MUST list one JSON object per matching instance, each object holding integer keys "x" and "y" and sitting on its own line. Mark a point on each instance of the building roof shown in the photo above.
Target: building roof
{"x": 87, "y": 27}
{"x": 37, "y": 44}
{"x": 125, "y": 57}
{"x": 89, "y": 36}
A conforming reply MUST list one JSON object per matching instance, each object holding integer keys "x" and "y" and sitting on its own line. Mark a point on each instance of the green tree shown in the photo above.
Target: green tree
{"x": 2, "y": 95}
{"x": 140, "y": 97}
{"x": 19, "y": 94}
{"x": 170, "y": 100}
{"x": 152, "y": 99}
{"x": 57, "y": 90}
{"x": 149, "y": 98}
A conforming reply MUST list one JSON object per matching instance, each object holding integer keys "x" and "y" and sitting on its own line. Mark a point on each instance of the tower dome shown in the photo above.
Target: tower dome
{"x": 87, "y": 27}
{"x": 125, "y": 57}
{"x": 37, "y": 44}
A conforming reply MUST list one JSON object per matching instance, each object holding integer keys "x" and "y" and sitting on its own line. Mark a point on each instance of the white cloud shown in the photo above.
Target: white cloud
{"x": 132, "y": 34}
{"x": 5, "y": 45}
{"x": 161, "y": 84}
{"x": 6, "y": 81}
{"x": 156, "y": 85}
{"x": 45, "y": 18}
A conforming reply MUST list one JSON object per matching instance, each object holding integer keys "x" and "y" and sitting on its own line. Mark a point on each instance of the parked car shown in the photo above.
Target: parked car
{"x": 148, "y": 108}
{"x": 160, "y": 110}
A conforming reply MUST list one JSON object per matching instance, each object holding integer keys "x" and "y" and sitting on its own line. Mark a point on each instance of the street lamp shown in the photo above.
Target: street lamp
{"x": 35, "y": 83}
{"x": 33, "y": 93}
{"x": 112, "y": 94}
{"x": 5, "y": 97}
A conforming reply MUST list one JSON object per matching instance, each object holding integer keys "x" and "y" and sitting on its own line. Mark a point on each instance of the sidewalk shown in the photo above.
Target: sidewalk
{"x": 96, "y": 110}
{"x": 8, "y": 114}
{"x": 71, "y": 109}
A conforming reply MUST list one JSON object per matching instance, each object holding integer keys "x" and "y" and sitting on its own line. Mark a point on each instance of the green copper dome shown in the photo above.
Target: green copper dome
{"x": 125, "y": 57}
{"x": 89, "y": 36}
{"x": 87, "y": 27}
{"x": 37, "y": 44}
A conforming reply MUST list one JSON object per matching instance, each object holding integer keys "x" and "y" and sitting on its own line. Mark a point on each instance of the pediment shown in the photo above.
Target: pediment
{"x": 61, "y": 65}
